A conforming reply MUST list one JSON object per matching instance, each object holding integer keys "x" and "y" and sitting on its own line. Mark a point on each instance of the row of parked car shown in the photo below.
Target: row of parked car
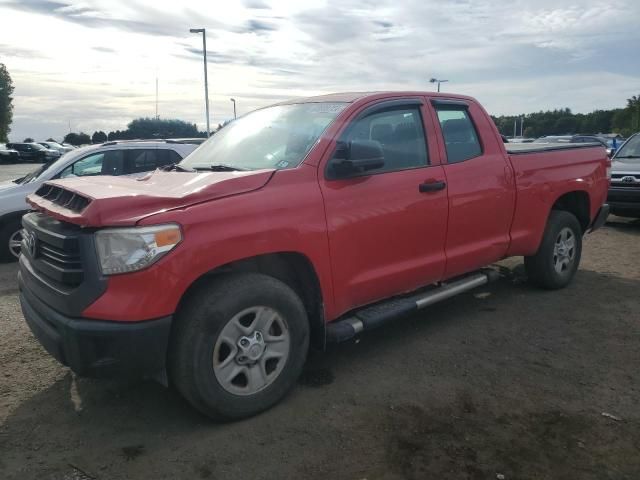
{"x": 610, "y": 143}
{"x": 111, "y": 158}
{"x": 33, "y": 152}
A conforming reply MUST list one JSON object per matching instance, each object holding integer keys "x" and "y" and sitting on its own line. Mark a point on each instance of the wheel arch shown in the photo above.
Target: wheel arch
{"x": 578, "y": 203}
{"x": 292, "y": 268}
{"x": 11, "y": 216}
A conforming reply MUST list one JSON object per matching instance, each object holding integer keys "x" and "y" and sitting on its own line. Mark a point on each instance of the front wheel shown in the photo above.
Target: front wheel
{"x": 239, "y": 345}
{"x": 557, "y": 260}
{"x": 10, "y": 240}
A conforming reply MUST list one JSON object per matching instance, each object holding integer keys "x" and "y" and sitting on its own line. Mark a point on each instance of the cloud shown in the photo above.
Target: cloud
{"x": 259, "y": 26}
{"x": 17, "y": 51}
{"x": 516, "y": 57}
{"x": 91, "y": 17}
{"x": 104, "y": 49}
{"x": 256, "y": 4}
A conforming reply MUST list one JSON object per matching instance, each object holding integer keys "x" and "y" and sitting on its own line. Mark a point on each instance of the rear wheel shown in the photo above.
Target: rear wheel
{"x": 10, "y": 240}
{"x": 557, "y": 260}
{"x": 238, "y": 345}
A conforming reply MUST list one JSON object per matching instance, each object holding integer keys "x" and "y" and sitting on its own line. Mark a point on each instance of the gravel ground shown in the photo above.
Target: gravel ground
{"x": 505, "y": 381}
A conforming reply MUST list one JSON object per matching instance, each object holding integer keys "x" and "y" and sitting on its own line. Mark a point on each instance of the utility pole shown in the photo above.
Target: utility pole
{"x": 438, "y": 81}
{"x": 157, "y": 116}
{"x": 515, "y": 126}
{"x": 522, "y": 127}
{"x": 206, "y": 82}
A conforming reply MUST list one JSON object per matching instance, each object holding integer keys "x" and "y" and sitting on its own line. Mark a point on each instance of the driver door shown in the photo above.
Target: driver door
{"x": 387, "y": 227}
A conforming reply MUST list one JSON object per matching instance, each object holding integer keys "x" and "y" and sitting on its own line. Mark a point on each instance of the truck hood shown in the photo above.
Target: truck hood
{"x": 626, "y": 165}
{"x": 120, "y": 201}
{"x": 8, "y": 185}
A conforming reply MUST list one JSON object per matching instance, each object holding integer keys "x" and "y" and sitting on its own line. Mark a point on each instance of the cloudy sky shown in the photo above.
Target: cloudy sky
{"x": 92, "y": 64}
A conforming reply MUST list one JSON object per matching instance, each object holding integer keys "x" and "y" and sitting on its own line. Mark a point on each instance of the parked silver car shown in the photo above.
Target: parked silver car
{"x": 110, "y": 158}
{"x": 56, "y": 146}
{"x": 624, "y": 192}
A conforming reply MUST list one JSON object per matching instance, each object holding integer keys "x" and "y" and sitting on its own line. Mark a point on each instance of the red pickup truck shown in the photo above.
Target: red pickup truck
{"x": 304, "y": 222}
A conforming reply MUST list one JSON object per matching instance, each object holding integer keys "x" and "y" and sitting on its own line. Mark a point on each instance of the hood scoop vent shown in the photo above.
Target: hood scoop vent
{"x": 64, "y": 198}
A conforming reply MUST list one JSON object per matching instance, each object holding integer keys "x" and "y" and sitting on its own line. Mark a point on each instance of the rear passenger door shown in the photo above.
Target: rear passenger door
{"x": 480, "y": 185}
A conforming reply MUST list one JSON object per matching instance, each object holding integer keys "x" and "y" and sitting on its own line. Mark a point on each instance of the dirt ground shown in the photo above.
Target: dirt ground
{"x": 505, "y": 382}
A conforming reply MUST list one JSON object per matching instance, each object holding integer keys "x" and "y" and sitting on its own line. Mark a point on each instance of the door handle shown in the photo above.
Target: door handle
{"x": 432, "y": 186}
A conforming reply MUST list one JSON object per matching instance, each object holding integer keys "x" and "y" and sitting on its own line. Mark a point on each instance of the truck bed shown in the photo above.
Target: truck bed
{"x": 522, "y": 148}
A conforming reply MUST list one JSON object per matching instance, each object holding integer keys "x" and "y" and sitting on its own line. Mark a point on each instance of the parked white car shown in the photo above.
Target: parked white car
{"x": 110, "y": 158}
{"x": 56, "y": 146}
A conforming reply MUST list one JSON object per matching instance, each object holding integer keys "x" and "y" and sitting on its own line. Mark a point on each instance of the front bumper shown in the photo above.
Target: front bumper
{"x": 97, "y": 348}
{"x": 624, "y": 200}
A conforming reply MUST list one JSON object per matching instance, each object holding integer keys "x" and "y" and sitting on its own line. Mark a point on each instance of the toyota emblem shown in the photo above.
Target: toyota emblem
{"x": 628, "y": 179}
{"x": 30, "y": 242}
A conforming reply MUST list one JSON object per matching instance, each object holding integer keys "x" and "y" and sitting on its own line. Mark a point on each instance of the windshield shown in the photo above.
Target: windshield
{"x": 54, "y": 165}
{"x": 631, "y": 149}
{"x": 275, "y": 137}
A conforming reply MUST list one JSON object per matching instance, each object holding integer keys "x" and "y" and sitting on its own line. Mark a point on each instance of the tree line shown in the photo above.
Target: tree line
{"x": 140, "y": 128}
{"x": 624, "y": 121}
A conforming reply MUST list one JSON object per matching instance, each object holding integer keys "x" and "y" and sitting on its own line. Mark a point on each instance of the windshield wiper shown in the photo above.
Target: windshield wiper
{"x": 175, "y": 167}
{"x": 628, "y": 156}
{"x": 220, "y": 168}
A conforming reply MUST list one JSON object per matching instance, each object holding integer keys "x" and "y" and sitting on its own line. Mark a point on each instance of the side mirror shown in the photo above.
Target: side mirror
{"x": 355, "y": 158}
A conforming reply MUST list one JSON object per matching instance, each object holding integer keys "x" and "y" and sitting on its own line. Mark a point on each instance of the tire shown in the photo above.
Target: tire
{"x": 9, "y": 232}
{"x": 552, "y": 267}
{"x": 201, "y": 357}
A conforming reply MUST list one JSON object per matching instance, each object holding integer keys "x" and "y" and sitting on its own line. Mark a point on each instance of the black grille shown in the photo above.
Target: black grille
{"x": 53, "y": 248}
{"x": 65, "y": 198}
{"x": 61, "y": 265}
{"x": 625, "y": 180}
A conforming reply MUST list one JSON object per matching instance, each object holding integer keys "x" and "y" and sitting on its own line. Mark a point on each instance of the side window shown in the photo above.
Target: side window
{"x": 167, "y": 157}
{"x": 460, "y": 136}
{"x": 141, "y": 160}
{"x": 102, "y": 163}
{"x": 400, "y": 133}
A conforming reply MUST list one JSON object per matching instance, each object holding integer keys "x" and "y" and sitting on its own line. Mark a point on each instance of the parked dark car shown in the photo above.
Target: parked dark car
{"x": 8, "y": 155}
{"x": 33, "y": 152}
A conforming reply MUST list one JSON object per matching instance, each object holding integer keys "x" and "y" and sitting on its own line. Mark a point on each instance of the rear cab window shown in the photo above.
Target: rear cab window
{"x": 459, "y": 133}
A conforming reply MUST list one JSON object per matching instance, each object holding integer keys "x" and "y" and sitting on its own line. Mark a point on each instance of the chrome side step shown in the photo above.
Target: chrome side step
{"x": 373, "y": 316}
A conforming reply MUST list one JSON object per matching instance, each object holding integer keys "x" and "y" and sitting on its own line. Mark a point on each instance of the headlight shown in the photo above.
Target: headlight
{"x": 122, "y": 250}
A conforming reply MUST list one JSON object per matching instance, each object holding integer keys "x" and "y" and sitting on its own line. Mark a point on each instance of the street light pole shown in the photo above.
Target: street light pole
{"x": 438, "y": 81}
{"x": 206, "y": 82}
{"x": 234, "y": 108}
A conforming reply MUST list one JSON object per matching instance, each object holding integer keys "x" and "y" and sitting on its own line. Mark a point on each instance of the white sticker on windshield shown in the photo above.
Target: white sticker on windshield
{"x": 282, "y": 164}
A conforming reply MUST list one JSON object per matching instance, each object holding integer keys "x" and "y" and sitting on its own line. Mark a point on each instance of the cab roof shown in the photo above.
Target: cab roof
{"x": 351, "y": 97}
